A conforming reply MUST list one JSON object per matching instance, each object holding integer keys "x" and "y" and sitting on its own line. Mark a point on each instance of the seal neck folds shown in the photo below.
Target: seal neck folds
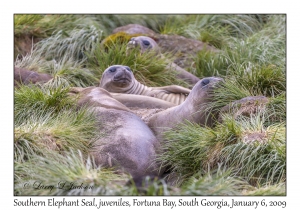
{"x": 120, "y": 79}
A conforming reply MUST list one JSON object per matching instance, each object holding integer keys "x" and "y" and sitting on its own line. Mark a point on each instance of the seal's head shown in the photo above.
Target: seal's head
{"x": 143, "y": 43}
{"x": 117, "y": 79}
{"x": 201, "y": 92}
{"x": 206, "y": 83}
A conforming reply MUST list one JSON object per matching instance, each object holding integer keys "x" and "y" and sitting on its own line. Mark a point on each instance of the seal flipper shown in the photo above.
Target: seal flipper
{"x": 173, "y": 89}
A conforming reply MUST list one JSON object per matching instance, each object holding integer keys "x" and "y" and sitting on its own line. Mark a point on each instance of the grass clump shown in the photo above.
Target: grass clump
{"x": 258, "y": 43}
{"x": 44, "y": 25}
{"x": 45, "y": 117}
{"x": 68, "y": 129}
{"x": 214, "y": 29}
{"x": 259, "y": 154}
{"x": 238, "y": 155}
{"x": 215, "y": 183}
{"x": 268, "y": 190}
{"x": 66, "y": 71}
{"x": 29, "y": 99}
{"x": 110, "y": 22}
{"x": 73, "y": 43}
{"x": 61, "y": 132}
{"x": 252, "y": 151}
{"x": 148, "y": 68}
{"x": 68, "y": 174}
{"x": 32, "y": 28}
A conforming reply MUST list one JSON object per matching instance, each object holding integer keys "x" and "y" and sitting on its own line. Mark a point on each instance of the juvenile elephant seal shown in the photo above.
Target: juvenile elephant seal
{"x": 192, "y": 109}
{"x": 145, "y": 44}
{"x": 120, "y": 79}
{"x": 133, "y": 101}
{"x": 24, "y": 76}
{"x": 125, "y": 141}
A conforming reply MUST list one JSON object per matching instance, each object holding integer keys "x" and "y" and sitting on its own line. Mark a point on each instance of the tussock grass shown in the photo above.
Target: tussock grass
{"x": 69, "y": 73}
{"x": 215, "y": 183}
{"x": 29, "y": 99}
{"x": 110, "y": 22}
{"x": 44, "y": 25}
{"x": 66, "y": 71}
{"x": 214, "y": 29}
{"x": 45, "y": 117}
{"x": 266, "y": 81}
{"x": 148, "y": 68}
{"x": 73, "y": 43}
{"x": 31, "y": 28}
{"x": 268, "y": 190}
{"x": 238, "y": 156}
{"x": 260, "y": 44}
{"x": 63, "y": 173}
{"x": 276, "y": 109}
{"x": 247, "y": 147}
{"x": 209, "y": 64}
{"x": 259, "y": 154}
{"x": 226, "y": 92}
{"x": 69, "y": 174}
{"x": 60, "y": 132}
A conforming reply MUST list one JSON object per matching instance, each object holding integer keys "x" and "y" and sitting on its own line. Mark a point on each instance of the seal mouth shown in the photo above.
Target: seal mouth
{"x": 123, "y": 80}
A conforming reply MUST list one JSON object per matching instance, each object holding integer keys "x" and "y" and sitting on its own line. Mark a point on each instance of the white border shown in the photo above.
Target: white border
{"x": 154, "y": 6}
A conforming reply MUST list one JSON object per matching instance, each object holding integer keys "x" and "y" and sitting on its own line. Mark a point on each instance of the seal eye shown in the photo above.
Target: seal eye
{"x": 112, "y": 69}
{"x": 128, "y": 69}
{"x": 205, "y": 82}
{"x": 146, "y": 42}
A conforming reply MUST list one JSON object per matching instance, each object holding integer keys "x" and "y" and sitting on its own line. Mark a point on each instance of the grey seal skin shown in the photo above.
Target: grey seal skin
{"x": 133, "y": 101}
{"x": 125, "y": 141}
{"x": 145, "y": 44}
{"x": 120, "y": 79}
{"x": 191, "y": 109}
{"x": 26, "y": 77}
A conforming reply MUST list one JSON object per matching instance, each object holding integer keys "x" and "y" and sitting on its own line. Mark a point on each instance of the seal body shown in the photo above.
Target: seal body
{"x": 145, "y": 44}
{"x": 125, "y": 141}
{"x": 183, "y": 49}
{"x": 120, "y": 79}
{"x": 25, "y": 76}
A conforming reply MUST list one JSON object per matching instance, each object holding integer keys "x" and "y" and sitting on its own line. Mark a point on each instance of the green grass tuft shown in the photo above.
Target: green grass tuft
{"x": 245, "y": 145}
{"x": 215, "y": 183}
{"x": 149, "y": 69}
{"x": 60, "y": 132}
{"x": 72, "y": 44}
{"x": 268, "y": 190}
{"x": 242, "y": 155}
{"x": 29, "y": 99}
{"x": 63, "y": 173}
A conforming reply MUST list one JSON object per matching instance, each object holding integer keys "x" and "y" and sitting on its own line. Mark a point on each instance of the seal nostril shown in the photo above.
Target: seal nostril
{"x": 205, "y": 82}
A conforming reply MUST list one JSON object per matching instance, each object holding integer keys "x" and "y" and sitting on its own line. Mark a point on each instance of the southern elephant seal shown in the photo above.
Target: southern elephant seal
{"x": 25, "y": 76}
{"x": 182, "y": 48}
{"x": 145, "y": 44}
{"x": 132, "y": 101}
{"x": 120, "y": 79}
{"x": 125, "y": 141}
{"x": 192, "y": 109}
